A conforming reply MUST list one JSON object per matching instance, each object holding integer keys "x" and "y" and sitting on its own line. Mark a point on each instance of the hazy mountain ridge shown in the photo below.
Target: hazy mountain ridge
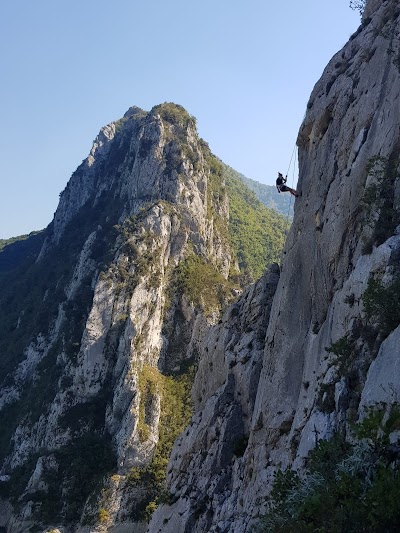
{"x": 269, "y": 196}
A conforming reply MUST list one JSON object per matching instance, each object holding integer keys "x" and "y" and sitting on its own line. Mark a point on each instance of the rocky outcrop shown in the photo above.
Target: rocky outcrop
{"x": 87, "y": 182}
{"x": 340, "y": 239}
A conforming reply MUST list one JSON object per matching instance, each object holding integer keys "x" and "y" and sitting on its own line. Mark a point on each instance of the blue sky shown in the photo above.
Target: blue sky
{"x": 245, "y": 69}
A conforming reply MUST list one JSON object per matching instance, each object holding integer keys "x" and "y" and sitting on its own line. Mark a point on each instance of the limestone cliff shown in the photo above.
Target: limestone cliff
{"x": 102, "y": 322}
{"x": 340, "y": 261}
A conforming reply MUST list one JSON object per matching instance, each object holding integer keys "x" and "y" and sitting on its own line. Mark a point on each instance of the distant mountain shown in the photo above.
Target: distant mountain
{"x": 269, "y": 196}
{"x": 11, "y": 240}
{"x": 15, "y": 250}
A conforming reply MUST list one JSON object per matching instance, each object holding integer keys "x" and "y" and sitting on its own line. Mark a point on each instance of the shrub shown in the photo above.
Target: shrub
{"x": 203, "y": 285}
{"x": 149, "y": 510}
{"x": 103, "y": 516}
{"x": 382, "y": 304}
{"x": 347, "y": 487}
{"x": 380, "y": 211}
{"x": 150, "y": 385}
{"x": 377, "y": 425}
{"x": 345, "y": 351}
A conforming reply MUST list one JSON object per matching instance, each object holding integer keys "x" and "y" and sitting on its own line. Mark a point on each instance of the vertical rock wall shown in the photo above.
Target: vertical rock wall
{"x": 333, "y": 249}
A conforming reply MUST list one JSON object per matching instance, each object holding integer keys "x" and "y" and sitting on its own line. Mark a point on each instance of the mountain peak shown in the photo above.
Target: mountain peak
{"x": 134, "y": 110}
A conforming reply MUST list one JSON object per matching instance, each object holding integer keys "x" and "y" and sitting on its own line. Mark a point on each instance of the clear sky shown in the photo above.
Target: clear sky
{"x": 244, "y": 68}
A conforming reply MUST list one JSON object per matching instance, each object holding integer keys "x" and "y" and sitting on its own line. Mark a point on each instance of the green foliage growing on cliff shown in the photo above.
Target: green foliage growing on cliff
{"x": 31, "y": 294}
{"x": 382, "y": 304}
{"x": 150, "y": 387}
{"x": 176, "y": 410}
{"x": 326, "y": 397}
{"x": 256, "y": 232}
{"x": 215, "y": 188}
{"x": 178, "y": 148}
{"x": 175, "y": 114}
{"x": 345, "y": 352}
{"x": 203, "y": 285}
{"x": 103, "y": 516}
{"x": 18, "y": 252}
{"x": 82, "y": 464}
{"x": 381, "y": 213}
{"x": 347, "y": 487}
{"x": 19, "y": 238}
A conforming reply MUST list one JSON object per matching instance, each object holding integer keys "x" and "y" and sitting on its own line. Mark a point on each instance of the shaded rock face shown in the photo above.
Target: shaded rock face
{"x": 349, "y": 146}
{"x": 206, "y": 466}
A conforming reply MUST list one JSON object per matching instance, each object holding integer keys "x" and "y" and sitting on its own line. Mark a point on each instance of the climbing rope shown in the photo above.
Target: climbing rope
{"x": 294, "y": 154}
{"x": 291, "y": 159}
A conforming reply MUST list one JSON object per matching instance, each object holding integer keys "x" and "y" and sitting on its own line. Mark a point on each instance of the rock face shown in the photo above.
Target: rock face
{"x": 342, "y": 243}
{"x": 207, "y": 464}
{"x": 105, "y": 324}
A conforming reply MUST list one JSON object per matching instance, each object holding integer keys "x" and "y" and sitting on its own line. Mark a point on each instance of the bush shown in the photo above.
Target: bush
{"x": 382, "y": 304}
{"x": 103, "y": 516}
{"x": 345, "y": 351}
{"x": 347, "y": 488}
{"x": 203, "y": 285}
{"x": 149, "y": 510}
{"x": 380, "y": 211}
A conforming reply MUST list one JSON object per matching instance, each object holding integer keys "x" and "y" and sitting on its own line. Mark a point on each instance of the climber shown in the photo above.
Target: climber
{"x": 280, "y": 185}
